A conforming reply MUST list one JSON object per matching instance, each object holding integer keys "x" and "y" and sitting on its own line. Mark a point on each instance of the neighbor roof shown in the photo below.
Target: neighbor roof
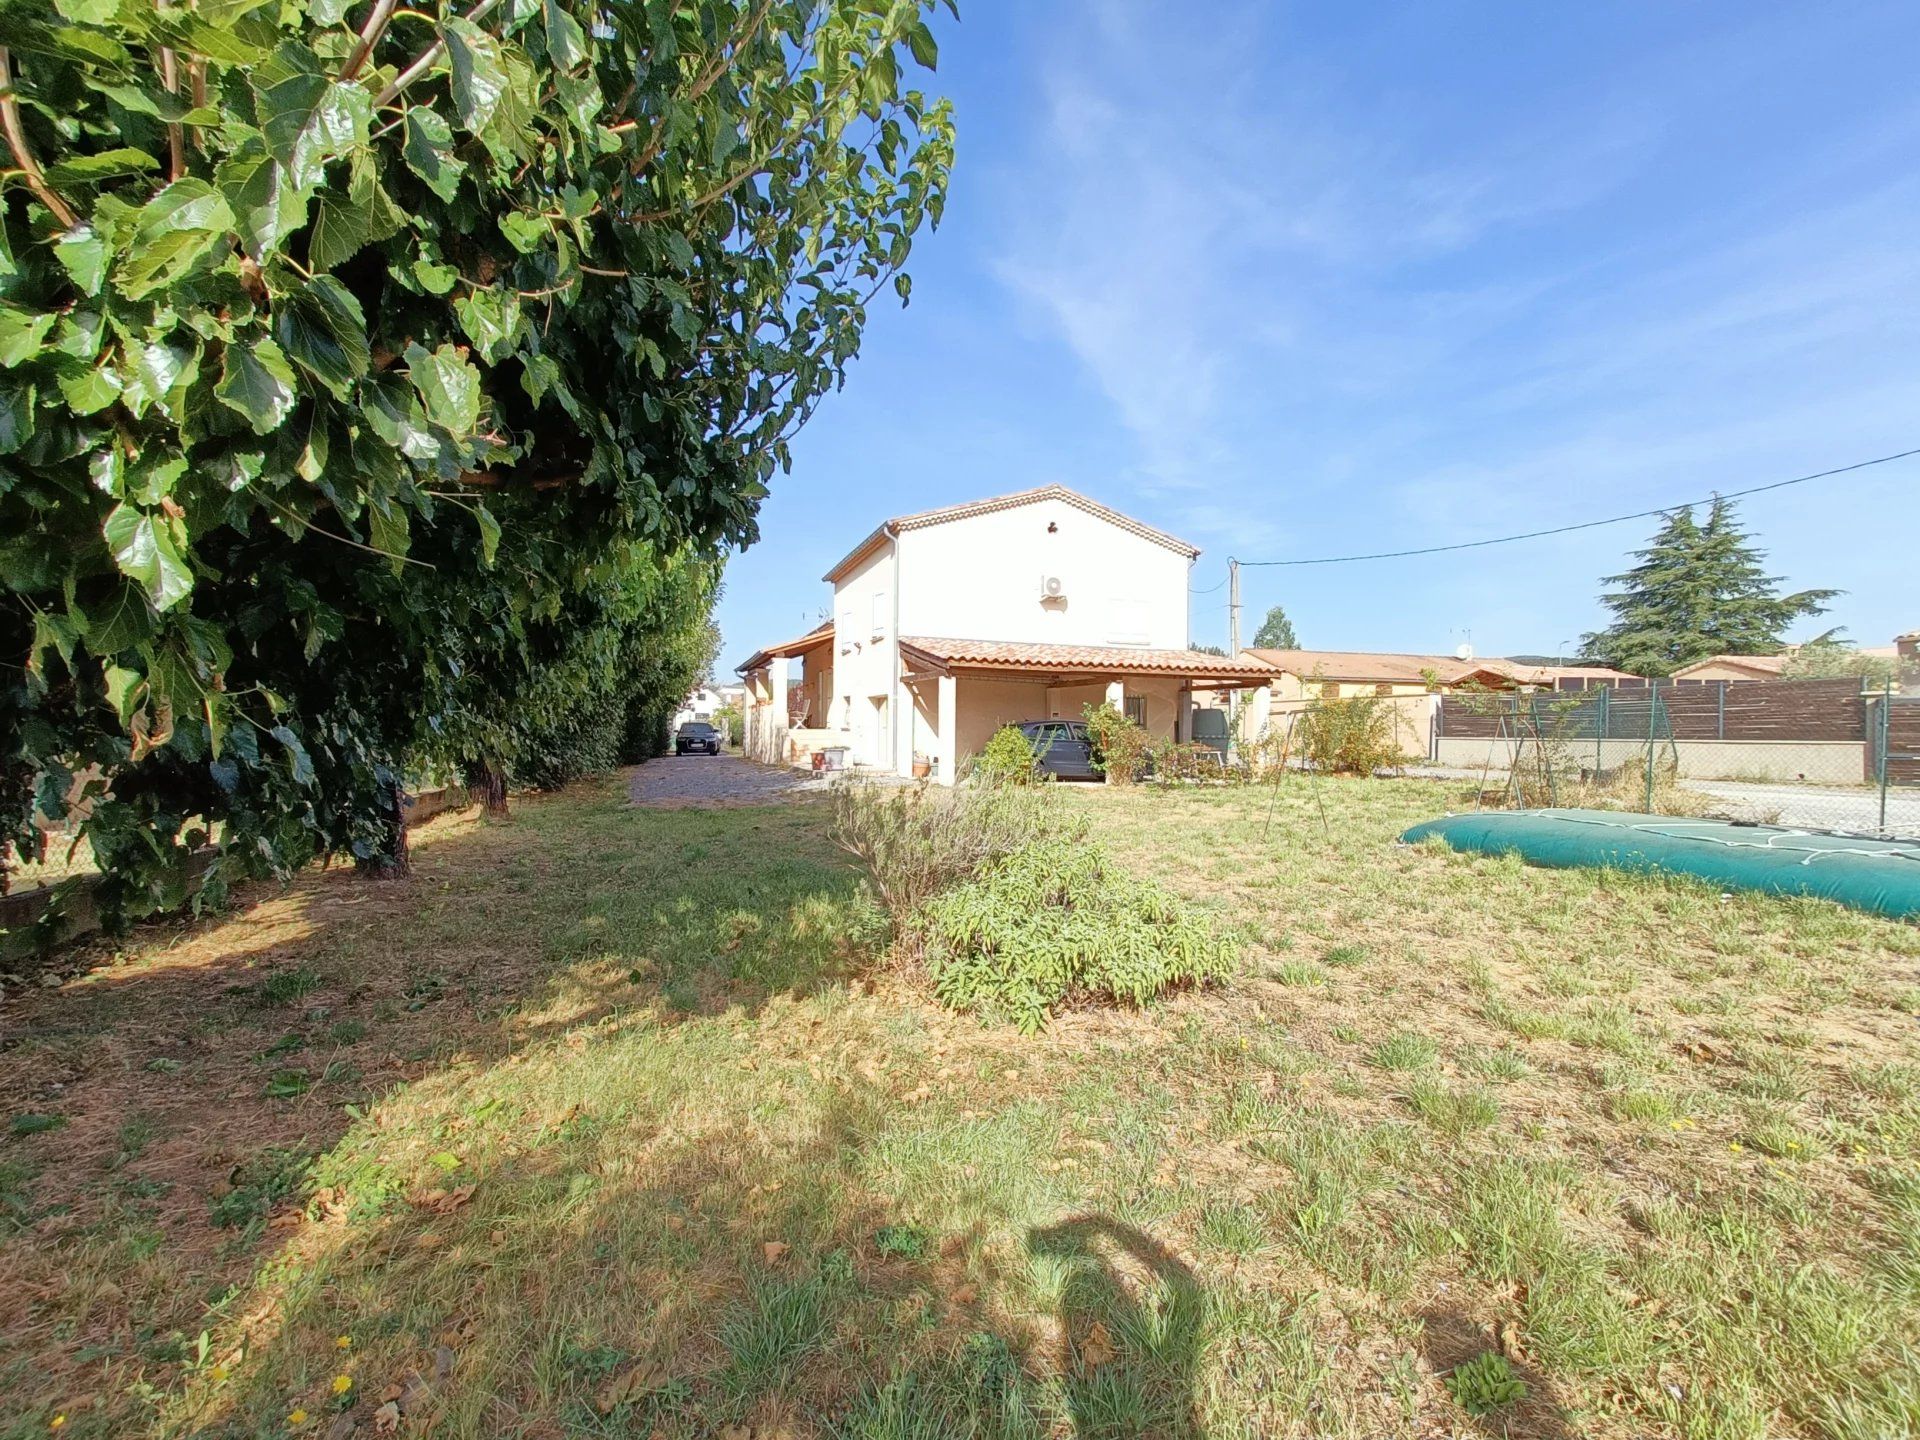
{"x": 890, "y": 528}
{"x": 938, "y": 653}
{"x": 821, "y": 634}
{"x": 1759, "y": 664}
{"x": 1378, "y": 666}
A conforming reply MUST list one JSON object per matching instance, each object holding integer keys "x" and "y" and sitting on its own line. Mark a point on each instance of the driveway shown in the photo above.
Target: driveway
{"x": 705, "y": 782}
{"x": 1818, "y": 807}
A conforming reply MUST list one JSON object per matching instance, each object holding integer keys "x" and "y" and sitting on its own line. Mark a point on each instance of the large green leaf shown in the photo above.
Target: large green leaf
{"x": 172, "y": 232}
{"x": 324, "y": 332}
{"x": 105, "y": 165}
{"x": 16, "y": 417}
{"x": 143, "y": 547}
{"x": 429, "y": 151}
{"x": 82, "y": 253}
{"x": 306, "y": 118}
{"x": 21, "y": 334}
{"x": 88, "y": 391}
{"x": 449, "y": 387}
{"x": 479, "y": 72}
{"x": 120, "y": 622}
{"x": 394, "y": 414}
{"x": 154, "y": 372}
{"x": 566, "y": 42}
{"x": 491, "y": 319}
{"x": 346, "y": 223}
{"x": 266, "y": 202}
{"x": 257, "y": 382}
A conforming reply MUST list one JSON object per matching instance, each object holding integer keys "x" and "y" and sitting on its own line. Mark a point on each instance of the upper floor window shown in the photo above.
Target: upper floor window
{"x": 880, "y": 613}
{"x": 1329, "y": 689}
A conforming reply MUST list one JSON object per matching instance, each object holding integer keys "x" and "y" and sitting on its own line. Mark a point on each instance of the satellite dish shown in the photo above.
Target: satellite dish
{"x": 1463, "y": 652}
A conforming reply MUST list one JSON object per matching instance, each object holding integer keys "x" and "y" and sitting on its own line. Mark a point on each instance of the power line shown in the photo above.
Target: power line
{"x": 1584, "y": 525}
{"x": 1208, "y": 591}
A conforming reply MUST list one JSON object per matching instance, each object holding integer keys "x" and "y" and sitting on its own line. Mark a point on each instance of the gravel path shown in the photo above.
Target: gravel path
{"x": 680, "y": 782}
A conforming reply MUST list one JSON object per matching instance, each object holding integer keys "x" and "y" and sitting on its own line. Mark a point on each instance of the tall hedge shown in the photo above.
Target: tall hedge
{"x": 352, "y": 351}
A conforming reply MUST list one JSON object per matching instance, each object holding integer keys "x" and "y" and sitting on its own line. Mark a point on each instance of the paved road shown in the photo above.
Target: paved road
{"x": 1819, "y": 807}
{"x": 682, "y": 782}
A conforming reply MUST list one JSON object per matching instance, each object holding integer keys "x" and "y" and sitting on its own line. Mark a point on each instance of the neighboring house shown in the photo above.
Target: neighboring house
{"x": 951, "y": 623}
{"x": 1735, "y": 667}
{"x": 702, "y": 704}
{"x": 1412, "y": 682}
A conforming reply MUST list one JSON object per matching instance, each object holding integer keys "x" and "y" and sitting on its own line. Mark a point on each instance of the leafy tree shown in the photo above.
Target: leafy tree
{"x": 1826, "y": 657}
{"x": 1698, "y": 590}
{"x": 352, "y": 349}
{"x": 1219, "y": 650}
{"x": 1275, "y": 632}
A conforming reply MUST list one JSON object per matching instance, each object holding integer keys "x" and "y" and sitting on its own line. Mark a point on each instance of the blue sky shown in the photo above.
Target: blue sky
{"x": 1296, "y": 280}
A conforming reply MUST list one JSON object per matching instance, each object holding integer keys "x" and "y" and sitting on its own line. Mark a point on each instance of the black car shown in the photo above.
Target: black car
{"x": 1062, "y": 749}
{"x": 696, "y": 736}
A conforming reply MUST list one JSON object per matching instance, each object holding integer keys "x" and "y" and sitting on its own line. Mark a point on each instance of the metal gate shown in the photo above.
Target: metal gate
{"x": 1896, "y": 746}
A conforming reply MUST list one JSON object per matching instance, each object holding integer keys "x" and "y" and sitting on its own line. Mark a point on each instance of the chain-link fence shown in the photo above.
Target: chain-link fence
{"x": 1813, "y": 754}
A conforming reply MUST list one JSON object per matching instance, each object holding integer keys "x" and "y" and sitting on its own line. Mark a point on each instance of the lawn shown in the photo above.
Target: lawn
{"x": 606, "y": 1123}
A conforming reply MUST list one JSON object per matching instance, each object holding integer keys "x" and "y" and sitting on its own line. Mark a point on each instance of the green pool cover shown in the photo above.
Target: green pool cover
{"x": 1881, "y": 876}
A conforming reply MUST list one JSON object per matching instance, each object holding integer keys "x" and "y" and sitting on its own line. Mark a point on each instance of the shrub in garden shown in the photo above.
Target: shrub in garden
{"x": 1008, "y": 759}
{"x": 1120, "y": 747}
{"x": 918, "y": 840}
{"x": 1057, "y": 919}
{"x": 1353, "y": 736}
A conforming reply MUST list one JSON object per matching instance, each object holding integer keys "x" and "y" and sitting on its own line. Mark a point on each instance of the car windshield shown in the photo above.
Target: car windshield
{"x": 696, "y": 727}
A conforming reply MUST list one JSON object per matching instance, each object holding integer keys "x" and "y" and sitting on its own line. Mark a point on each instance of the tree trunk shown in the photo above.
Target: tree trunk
{"x": 393, "y": 861}
{"x": 490, "y": 780}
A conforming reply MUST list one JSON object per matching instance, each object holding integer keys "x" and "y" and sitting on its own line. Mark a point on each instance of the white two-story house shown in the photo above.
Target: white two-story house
{"x": 954, "y": 622}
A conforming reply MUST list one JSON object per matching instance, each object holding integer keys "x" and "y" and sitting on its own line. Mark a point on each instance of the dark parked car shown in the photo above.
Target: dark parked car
{"x": 1062, "y": 749}
{"x": 696, "y": 736}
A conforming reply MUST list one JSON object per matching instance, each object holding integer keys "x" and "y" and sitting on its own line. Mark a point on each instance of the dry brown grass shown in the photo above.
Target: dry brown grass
{"x": 1454, "y": 1105}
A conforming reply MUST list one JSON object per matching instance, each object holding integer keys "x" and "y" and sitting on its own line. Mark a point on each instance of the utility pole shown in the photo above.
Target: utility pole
{"x": 1233, "y": 608}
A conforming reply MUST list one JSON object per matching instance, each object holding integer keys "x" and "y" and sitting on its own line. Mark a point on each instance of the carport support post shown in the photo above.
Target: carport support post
{"x": 1117, "y": 695}
{"x": 948, "y": 750}
{"x": 777, "y": 718}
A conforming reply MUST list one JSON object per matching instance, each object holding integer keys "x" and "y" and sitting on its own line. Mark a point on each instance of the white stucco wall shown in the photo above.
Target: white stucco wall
{"x": 979, "y": 579}
{"x": 865, "y": 663}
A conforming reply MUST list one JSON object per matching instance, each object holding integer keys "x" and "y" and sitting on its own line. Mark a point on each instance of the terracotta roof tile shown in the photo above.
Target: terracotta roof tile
{"x": 1121, "y": 659}
{"x": 787, "y": 649}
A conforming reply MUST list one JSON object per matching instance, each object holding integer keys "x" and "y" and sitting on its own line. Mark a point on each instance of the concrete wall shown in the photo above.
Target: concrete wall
{"x": 986, "y": 705}
{"x": 979, "y": 579}
{"x": 1838, "y": 762}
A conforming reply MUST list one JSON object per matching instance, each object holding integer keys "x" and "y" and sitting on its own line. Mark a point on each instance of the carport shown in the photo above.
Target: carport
{"x": 965, "y": 690}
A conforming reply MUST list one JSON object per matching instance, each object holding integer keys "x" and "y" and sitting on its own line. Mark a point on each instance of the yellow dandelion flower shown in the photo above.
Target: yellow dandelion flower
{"x": 56, "y": 1422}
{"x": 1735, "y": 1146}
{"x": 219, "y": 1372}
{"x": 344, "y": 1342}
{"x": 342, "y": 1384}
{"x": 296, "y": 1417}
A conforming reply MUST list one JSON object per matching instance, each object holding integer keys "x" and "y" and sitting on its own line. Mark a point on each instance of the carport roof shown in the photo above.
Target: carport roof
{"x": 941, "y": 654}
{"x": 821, "y": 634}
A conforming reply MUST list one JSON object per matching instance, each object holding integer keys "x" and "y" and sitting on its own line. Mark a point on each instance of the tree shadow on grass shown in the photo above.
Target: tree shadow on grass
{"x": 1449, "y": 1338}
{"x": 189, "y": 1083}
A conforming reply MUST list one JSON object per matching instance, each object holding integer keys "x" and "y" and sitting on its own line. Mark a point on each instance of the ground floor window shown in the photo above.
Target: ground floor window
{"x": 1137, "y": 710}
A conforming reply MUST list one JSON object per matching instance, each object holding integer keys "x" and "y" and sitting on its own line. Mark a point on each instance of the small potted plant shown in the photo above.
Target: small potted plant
{"x": 922, "y": 765}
